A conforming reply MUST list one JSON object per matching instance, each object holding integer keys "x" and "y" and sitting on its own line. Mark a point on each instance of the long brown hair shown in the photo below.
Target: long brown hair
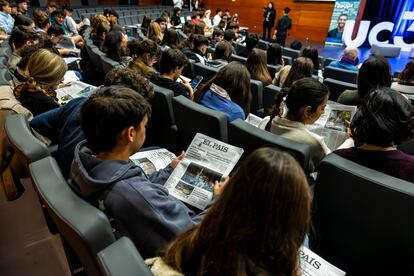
{"x": 258, "y": 223}
{"x": 301, "y": 68}
{"x": 235, "y": 79}
{"x": 257, "y": 66}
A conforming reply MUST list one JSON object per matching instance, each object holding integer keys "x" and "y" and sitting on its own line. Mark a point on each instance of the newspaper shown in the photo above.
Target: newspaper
{"x": 74, "y": 90}
{"x": 331, "y": 124}
{"x": 205, "y": 161}
{"x": 313, "y": 265}
{"x": 153, "y": 160}
{"x": 253, "y": 120}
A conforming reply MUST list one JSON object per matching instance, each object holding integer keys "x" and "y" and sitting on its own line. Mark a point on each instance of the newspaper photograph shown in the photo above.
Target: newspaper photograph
{"x": 313, "y": 265}
{"x": 152, "y": 160}
{"x": 74, "y": 90}
{"x": 331, "y": 125}
{"x": 206, "y": 161}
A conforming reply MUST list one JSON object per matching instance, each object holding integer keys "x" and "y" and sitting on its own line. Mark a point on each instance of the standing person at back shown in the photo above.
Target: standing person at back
{"x": 269, "y": 20}
{"x": 284, "y": 24}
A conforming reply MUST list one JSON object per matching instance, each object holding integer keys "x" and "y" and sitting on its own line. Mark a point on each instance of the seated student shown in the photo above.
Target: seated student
{"x": 215, "y": 38}
{"x": 6, "y": 20}
{"x": 171, "y": 39}
{"x": 348, "y": 61}
{"x": 384, "y": 120}
{"x": 256, "y": 228}
{"x": 69, "y": 22}
{"x": 140, "y": 205}
{"x": 154, "y": 33}
{"x": 23, "y": 20}
{"x": 41, "y": 21}
{"x": 228, "y": 92}
{"x": 274, "y": 56}
{"x": 223, "y": 52}
{"x": 172, "y": 63}
{"x": 301, "y": 68}
{"x": 199, "y": 50}
{"x": 175, "y": 19}
{"x": 162, "y": 22}
{"x": 257, "y": 66}
{"x": 19, "y": 75}
{"x": 60, "y": 16}
{"x": 251, "y": 41}
{"x": 62, "y": 126}
{"x": 145, "y": 24}
{"x": 375, "y": 72}
{"x": 45, "y": 71}
{"x": 20, "y": 37}
{"x": 305, "y": 102}
{"x": 189, "y": 28}
{"x": 98, "y": 39}
{"x": 144, "y": 55}
{"x": 115, "y": 46}
{"x": 405, "y": 84}
{"x": 230, "y": 36}
{"x": 312, "y": 53}
{"x": 96, "y": 20}
{"x": 112, "y": 17}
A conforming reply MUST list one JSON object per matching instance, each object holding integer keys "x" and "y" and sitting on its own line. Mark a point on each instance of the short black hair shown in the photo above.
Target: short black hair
{"x": 55, "y": 30}
{"x": 375, "y": 72}
{"x": 218, "y": 10}
{"x": 23, "y": 20}
{"x": 67, "y": 8}
{"x": 217, "y": 32}
{"x": 138, "y": 48}
{"x": 20, "y": 35}
{"x": 287, "y": 10}
{"x": 114, "y": 13}
{"x": 229, "y": 35}
{"x": 251, "y": 41}
{"x": 160, "y": 19}
{"x": 53, "y": 5}
{"x": 58, "y": 13}
{"x": 171, "y": 59}
{"x": 384, "y": 118}
{"x": 199, "y": 40}
{"x": 107, "y": 112}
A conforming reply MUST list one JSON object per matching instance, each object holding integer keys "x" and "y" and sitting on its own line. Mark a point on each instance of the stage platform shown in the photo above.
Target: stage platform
{"x": 397, "y": 64}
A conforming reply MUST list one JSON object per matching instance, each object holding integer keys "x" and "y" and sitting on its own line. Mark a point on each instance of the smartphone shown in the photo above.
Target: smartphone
{"x": 195, "y": 82}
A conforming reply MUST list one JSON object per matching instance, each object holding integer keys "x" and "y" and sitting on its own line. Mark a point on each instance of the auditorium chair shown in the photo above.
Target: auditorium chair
{"x": 288, "y": 60}
{"x": 340, "y": 74}
{"x": 207, "y": 72}
{"x": 327, "y": 61}
{"x": 240, "y": 59}
{"x": 269, "y": 94}
{"x": 121, "y": 258}
{"x": 256, "y": 105}
{"x": 84, "y": 229}
{"x": 109, "y": 64}
{"x": 182, "y": 35}
{"x": 261, "y": 44}
{"x": 336, "y": 88}
{"x": 191, "y": 117}
{"x": 273, "y": 69}
{"x": 97, "y": 76}
{"x": 161, "y": 130}
{"x": 188, "y": 70}
{"x": 407, "y": 146}
{"x": 362, "y": 219}
{"x": 250, "y": 138}
{"x": 294, "y": 54}
{"x": 5, "y": 76}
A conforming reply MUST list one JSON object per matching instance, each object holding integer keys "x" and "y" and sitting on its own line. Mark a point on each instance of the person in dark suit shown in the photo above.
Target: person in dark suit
{"x": 284, "y": 24}
{"x": 269, "y": 20}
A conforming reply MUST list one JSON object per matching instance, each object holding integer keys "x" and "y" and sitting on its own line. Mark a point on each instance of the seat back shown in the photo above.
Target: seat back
{"x": 336, "y": 88}
{"x": 408, "y": 146}
{"x": 188, "y": 70}
{"x": 95, "y": 55}
{"x": 240, "y": 59}
{"x": 273, "y": 69}
{"x": 162, "y": 130}
{"x": 84, "y": 228}
{"x": 250, "y": 138}
{"x": 121, "y": 258}
{"x": 191, "y": 117}
{"x": 261, "y": 44}
{"x": 256, "y": 88}
{"x": 22, "y": 139}
{"x": 5, "y": 76}
{"x": 288, "y": 60}
{"x": 109, "y": 64}
{"x": 294, "y": 54}
{"x": 340, "y": 74}
{"x": 269, "y": 94}
{"x": 362, "y": 218}
{"x": 328, "y": 61}
{"x": 207, "y": 72}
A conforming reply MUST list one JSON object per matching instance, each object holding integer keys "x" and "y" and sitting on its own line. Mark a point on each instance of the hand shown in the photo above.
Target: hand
{"x": 177, "y": 160}
{"x": 209, "y": 56}
{"x": 219, "y": 186}
{"x": 61, "y": 85}
{"x": 187, "y": 86}
{"x": 282, "y": 62}
{"x": 348, "y": 128}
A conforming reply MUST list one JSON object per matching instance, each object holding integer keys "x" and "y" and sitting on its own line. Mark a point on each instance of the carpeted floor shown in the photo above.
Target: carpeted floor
{"x": 26, "y": 245}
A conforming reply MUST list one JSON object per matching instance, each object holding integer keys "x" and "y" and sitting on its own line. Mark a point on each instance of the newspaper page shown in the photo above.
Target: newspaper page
{"x": 205, "y": 161}
{"x": 313, "y": 265}
{"x": 253, "y": 120}
{"x": 153, "y": 160}
{"x": 74, "y": 90}
{"x": 331, "y": 125}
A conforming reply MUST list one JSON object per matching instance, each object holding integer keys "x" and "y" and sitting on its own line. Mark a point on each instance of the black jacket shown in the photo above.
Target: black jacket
{"x": 272, "y": 16}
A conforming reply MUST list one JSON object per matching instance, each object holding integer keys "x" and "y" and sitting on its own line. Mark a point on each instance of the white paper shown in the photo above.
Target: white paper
{"x": 75, "y": 90}
{"x": 70, "y": 76}
{"x": 254, "y": 120}
{"x": 205, "y": 161}
{"x": 153, "y": 160}
{"x": 331, "y": 125}
{"x": 71, "y": 59}
{"x": 313, "y": 265}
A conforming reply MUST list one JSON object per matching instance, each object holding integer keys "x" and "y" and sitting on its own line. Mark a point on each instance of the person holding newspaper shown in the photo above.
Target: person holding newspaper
{"x": 255, "y": 228}
{"x": 113, "y": 120}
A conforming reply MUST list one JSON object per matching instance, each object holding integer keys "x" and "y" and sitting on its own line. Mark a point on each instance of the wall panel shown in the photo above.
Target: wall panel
{"x": 310, "y": 20}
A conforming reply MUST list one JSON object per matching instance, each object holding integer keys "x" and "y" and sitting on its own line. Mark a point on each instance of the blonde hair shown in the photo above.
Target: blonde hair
{"x": 45, "y": 68}
{"x": 154, "y": 31}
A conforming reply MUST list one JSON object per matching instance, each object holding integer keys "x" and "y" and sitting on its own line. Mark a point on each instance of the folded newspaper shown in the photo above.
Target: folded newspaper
{"x": 192, "y": 181}
{"x": 313, "y": 265}
{"x": 331, "y": 125}
{"x": 74, "y": 90}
